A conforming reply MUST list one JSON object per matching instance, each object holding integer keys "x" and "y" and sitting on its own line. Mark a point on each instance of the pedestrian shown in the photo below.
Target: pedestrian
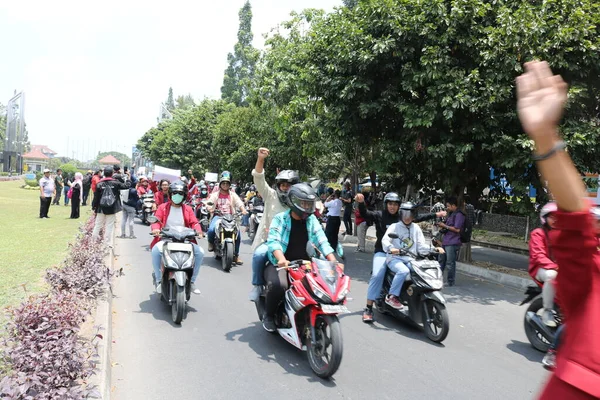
{"x": 361, "y": 231}
{"x": 58, "y": 183}
{"x": 76, "y": 190}
{"x": 469, "y": 211}
{"x": 435, "y": 230}
{"x": 66, "y": 187}
{"x": 47, "y": 190}
{"x": 87, "y": 184}
{"x": 107, "y": 203}
{"x": 334, "y": 210}
{"x": 451, "y": 241}
{"x": 95, "y": 179}
{"x": 348, "y": 199}
{"x": 129, "y": 212}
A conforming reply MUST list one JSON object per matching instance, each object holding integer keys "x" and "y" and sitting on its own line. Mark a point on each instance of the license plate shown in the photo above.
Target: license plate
{"x": 337, "y": 309}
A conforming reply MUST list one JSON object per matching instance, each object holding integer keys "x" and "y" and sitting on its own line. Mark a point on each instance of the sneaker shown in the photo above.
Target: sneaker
{"x": 269, "y": 324}
{"x": 359, "y": 250}
{"x": 195, "y": 290}
{"x": 132, "y": 237}
{"x": 393, "y": 302}
{"x": 254, "y": 294}
{"x": 549, "y": 360}
{"x": 548, "y": 318}
{"x": 238, "y": 261}
{"x": 158, "y": 288}
{"x": 211, "y": 247}
{"x": 123, "y": 237}
{"x": 368, "y": 315}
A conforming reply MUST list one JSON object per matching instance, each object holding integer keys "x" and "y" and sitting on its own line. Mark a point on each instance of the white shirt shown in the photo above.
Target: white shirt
{"x": 334, "y": 207}
{"x": 272, "y": 207}
{"x": 175, "y": 217}
{"x": 47, "y": 185}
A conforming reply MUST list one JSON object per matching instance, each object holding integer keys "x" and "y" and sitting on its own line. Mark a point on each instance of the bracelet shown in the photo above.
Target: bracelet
{"x": 560, "y": 145}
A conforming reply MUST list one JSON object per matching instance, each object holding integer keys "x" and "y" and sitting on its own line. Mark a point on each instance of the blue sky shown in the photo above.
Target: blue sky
{"x": 95, "y": 73}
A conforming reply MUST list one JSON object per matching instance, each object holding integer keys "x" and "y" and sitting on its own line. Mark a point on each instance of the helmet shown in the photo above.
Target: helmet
{"x": 202, "y": 182}
{"x": 407, "y": 209}
{"x": 252, "y": 188}
{"x": 391, "y": 196}
{"x": 211, "y": 185}
{"x": 225, "y": 177}
{"x": 548, "y": 208}
{"x": 178, "y": 187}
{"x": 284, "y": 176}
{"x": 301, "y": 199}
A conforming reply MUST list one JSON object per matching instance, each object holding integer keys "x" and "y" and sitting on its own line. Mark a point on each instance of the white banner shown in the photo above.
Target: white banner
{"x": 166, "y": 173}
{"x": 211, "y": 177}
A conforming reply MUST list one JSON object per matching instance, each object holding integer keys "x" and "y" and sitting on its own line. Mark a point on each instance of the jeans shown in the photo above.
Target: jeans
{"x": 57, "y": 197}
{"x": 361, "y": 231}
{"x": 246, "y": 220}
{"x": 86, "y": 194}
{"x": 211, "y": 234}
{"x": 348, "y": 221}
{"x": 108, "y": 223}
{"x": 449, "y": 260}
{"x": 44, "y": 206}
{"x": 259, "y": 260}
{"x": 547, "y": 276}
{"x": 127, "y": 219}
{"x": 401, "y": 267}
{"x": 557, "y": 337}
{"x": 377, "y": 276}
{"x": 157, "y": 256}
{"x": 66, "y": 190}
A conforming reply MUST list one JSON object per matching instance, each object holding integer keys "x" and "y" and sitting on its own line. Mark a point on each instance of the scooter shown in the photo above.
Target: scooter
{"x": 256, "y": 215}
{"x": 421, "y": 295}
{"x": 226, "y": 233}
{"x": 307, "y": 317}
{"x": 177, "y": 268}
{"x": 202, "y": 214}
{"x": 540, "y": 335}
{"x": 148, "y": 203}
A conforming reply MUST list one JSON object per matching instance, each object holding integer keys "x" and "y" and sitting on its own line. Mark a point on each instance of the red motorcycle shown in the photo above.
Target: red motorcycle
{"x": 307, "y": 316}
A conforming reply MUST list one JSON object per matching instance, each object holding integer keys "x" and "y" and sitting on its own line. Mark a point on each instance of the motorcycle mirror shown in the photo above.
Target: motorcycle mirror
{"x": 393, "y": 236}
{"x": 310, "y": 249}
{"x": 152, "y": 219}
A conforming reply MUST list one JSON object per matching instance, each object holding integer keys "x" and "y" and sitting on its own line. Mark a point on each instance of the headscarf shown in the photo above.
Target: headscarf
{"x": 78, "y": 180}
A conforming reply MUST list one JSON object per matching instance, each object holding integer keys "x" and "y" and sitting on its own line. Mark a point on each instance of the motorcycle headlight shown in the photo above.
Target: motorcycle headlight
{"x": 179, "y": 259}
{"x": 316, "y": 289}
{"x": 431, "y": 274}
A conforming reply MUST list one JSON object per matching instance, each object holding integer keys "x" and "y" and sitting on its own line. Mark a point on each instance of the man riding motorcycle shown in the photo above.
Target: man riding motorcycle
{"x": 382, "y": 221}
{"x": 172, "y": 214}
{"x": 275, "y": 202}
{"x": 410, "y": 237}
{"x": 226, "y": 201}
{"x": 289, "y": 233}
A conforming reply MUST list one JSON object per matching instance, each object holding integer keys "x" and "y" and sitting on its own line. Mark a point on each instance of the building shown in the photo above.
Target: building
{"x": 109, "y": 161}
{"x": 44, "y": 150}
{"x": 35, "y": 160}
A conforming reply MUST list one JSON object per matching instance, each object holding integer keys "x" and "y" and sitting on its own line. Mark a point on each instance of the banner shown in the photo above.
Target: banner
{"x": 211, "y": 177}
{"x": 166, "y": 173}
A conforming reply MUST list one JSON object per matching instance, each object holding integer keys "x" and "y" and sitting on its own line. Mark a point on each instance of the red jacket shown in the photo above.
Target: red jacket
{"x": 358, "y": 218}
{"x": 158, "y": 198}
{"x": 95, "y": 180}
{"x": 575, "y": 248}
{"x": 539, "y": 253}
{"x": 162, "y": 213}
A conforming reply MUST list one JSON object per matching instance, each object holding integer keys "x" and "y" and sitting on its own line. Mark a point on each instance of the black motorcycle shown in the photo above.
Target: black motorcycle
{"x": 540, "y": 335}
{"x": 256, "y": 215}
{"x": 421, "y": 295}
{"x": 226, "y": 233}
{"x": 147, "y": 209}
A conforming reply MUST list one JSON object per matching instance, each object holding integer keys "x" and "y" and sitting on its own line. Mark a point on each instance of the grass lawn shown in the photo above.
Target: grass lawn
{"x": 29, "y": 245}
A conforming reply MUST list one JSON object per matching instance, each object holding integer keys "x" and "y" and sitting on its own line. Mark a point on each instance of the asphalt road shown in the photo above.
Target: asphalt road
{"x": 499, "y": 257}
{"x": 222, "y": 352}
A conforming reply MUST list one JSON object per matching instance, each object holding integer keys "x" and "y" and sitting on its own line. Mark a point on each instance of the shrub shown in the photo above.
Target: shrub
{"x": 31, "y": 182}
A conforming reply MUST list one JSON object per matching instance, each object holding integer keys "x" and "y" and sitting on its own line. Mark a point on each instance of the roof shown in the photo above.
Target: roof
{"x": 43, "y": 148}
{"x": 36, "y": 154}
{"x": 109, "y": 159}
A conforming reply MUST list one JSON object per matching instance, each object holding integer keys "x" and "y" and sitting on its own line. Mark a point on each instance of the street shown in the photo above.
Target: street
{"x": 499, "y": 257}
{"x": 222, "y": 352}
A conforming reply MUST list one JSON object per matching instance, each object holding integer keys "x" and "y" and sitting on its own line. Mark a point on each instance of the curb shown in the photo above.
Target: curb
{"x": 508, "y": 249}
{"x": 515, "y": 282}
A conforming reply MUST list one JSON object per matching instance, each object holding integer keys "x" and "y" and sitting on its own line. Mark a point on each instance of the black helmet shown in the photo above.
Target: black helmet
{"x": 225, "y": 177}
{"x": 178, "y": 187}
{"x": 391, "y": 196}
{"x": 302, "y": 199}
{"x": 408, "y": 209}
{"x": 284, "y": 176}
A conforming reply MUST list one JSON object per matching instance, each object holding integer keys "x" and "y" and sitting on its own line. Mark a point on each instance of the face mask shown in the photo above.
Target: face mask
{"x": 204, "y": 192}
{"x": 177, "y": 198}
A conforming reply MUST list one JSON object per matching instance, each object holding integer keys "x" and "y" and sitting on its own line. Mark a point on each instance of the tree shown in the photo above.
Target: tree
{"x": 184, "y": 102}
{"x": 170, "y": 104}
{"x": 240, "y": 72}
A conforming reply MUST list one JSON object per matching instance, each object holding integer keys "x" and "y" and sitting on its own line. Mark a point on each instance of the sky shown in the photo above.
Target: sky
{"x": 94, "y": 73}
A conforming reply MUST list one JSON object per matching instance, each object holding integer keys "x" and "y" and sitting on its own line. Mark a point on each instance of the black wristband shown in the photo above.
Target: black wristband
{"x": 560, "y": 145}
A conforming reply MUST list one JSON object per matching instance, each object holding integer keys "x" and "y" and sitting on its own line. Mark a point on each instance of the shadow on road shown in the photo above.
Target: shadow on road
{"x": 272, "y": 348}
{"x": 526, "y": 351}
{"x": 160, "y": 310}
{"x": 409, "y": 330}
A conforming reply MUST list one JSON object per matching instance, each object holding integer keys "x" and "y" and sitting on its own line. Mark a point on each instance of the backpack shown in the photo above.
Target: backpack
{"x": 108, "y": 199}
{"x": 467, "y": 230}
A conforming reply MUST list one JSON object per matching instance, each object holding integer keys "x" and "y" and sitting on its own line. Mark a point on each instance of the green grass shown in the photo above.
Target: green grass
{"x": 29, "y": 245}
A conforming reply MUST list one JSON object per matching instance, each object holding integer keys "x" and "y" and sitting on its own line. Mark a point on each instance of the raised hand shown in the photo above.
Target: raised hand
{"x": 263, "y": 153}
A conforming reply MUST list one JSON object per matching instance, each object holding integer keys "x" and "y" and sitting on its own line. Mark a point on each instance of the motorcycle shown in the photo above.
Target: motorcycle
{"x": 226, "y": 233}
{"x": 148, "y": 207}
{"x": 256, "y": 215}
{"x": 177, "y": 267}
{"x": 421, "y": 296}
{"x": 307, "y": 317}
{"x": 202, "y": 213}
{"x": 540, "y": 335}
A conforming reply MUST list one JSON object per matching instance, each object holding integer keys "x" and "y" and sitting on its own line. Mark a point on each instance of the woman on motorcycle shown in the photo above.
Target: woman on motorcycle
{"x": 542, "y": 267}
{"x": 382, "y": 221}
{"x": 171, "y": 214}
{"x": 289, "y": 233}
{"x": 162, "y": 195}
{"x": 275, "y": 202}
{"x": 226, "y": 202}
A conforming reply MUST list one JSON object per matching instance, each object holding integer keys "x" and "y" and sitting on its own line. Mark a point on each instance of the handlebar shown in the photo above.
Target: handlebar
{"x": 295, "y": 264}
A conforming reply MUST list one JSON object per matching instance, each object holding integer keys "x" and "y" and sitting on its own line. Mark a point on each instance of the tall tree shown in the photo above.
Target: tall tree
{"x": 185, "y": 102}
{"x": 240, "y": 72}
{"x": 170, "y": 104}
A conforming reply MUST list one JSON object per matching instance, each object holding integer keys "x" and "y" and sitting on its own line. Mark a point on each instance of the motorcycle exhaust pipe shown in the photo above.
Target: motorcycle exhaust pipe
{"x": 536, "y": 321}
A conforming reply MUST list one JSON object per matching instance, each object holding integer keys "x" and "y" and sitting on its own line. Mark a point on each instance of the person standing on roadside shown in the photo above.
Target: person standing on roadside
{"x": 334, "y": 210}
{"x": 87, "y": 184}
{"x": 95, "y": 179}
{"x": 76, "y": 190}
{"x": 58, "y": 183}
{"x": 451, "y": 242}
{"x": 107, "y": 203}
{"x": 68, "y": 179}
{"x": 348, "y": 199}
{"x": 47, "y": 190}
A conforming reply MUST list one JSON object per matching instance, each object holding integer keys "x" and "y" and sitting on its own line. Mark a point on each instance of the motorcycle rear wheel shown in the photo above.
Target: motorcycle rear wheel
{"x": 178, "y": 306}
{"x": 227, "y": 260}
{"x": 533, "y": 335}
{"x": 435, "y": 321}
{"x": 325, "y": 355}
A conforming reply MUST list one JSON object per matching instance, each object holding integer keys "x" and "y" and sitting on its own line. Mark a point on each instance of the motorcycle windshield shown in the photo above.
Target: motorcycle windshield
{"x": 328, "y": 272}
{"x": 179, "y": 233}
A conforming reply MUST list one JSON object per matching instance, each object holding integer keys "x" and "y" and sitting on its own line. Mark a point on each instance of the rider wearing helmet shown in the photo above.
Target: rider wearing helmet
{"x": 289, "y": 233}
{"x": 275, "y": 202}
{"x": 226, "y": 202}
{"x": 411, "y": 238}
{"x": 171, "y": 214}
{"x": 382, "y": 221}
{"x": 542, "y": 267}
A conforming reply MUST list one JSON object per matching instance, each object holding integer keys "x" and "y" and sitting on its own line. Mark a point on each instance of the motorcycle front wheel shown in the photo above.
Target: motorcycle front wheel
{"x": 178, "y": 306}
{"x": 227, "y": 260}
{"x": 435, "y": 321}
{"x": 325, "y": 355}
